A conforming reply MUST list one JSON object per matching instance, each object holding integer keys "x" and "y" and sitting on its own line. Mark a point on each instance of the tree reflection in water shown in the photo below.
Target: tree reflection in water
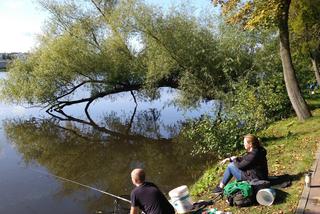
{"x": 103, "y": 154}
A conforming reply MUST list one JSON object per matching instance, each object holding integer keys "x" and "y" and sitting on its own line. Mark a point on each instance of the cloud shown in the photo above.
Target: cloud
{"x": 20, "y": 21}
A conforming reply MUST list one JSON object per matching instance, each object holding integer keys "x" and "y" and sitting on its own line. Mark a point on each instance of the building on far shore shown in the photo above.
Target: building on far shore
{"x": 3, "y": 64}
{"x": 5, "y": 58}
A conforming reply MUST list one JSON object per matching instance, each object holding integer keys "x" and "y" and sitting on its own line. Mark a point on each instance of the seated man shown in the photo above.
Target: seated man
{"x": 147, "y": 196}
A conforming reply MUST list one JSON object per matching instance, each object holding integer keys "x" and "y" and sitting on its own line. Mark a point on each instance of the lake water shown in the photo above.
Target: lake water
{"x": 99, "y": 151}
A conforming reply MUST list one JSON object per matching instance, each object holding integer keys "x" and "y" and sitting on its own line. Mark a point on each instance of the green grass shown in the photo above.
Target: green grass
{"x": 291, "y": 147}
{"x": 314, "y": 100}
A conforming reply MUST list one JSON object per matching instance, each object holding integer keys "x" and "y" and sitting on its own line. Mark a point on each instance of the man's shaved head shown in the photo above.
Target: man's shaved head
{"x": 138, "y": 176}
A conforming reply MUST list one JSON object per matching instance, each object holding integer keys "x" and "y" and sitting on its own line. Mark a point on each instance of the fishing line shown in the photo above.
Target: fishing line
{"x": 89, "y": 187}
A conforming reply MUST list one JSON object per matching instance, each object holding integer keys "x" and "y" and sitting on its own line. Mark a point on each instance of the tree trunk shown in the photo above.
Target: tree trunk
{"x": 298, "y": 103}
{"x": 315, "y": 59}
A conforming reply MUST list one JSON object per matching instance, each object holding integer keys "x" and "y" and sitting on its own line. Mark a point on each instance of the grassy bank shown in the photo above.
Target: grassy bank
{"x": 291, "y": 147}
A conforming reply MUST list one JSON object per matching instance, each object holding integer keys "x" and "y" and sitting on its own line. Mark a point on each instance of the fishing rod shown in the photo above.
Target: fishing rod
{"x": 89, "y": 187}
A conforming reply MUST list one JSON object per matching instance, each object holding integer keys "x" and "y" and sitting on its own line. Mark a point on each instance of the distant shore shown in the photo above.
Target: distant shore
{"x": 3, "y": 64}
{"x": 5, "y": 58}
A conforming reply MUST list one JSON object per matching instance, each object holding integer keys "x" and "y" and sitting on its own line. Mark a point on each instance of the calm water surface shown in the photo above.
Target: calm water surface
{"x": 100, "y": 151}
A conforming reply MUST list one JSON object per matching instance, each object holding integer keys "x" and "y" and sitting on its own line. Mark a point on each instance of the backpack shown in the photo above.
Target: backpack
{"x": 239, "y": 193}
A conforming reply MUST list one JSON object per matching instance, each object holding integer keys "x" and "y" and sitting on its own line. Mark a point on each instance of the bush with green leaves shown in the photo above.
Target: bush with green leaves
{"x": 248, "y": 109}
{"x": 214, "y": 136}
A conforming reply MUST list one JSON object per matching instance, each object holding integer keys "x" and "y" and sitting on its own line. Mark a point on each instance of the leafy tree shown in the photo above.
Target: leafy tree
{"x": 270, "y": 13}
{"x": 305, "y": 25}
{"x": 255, "y": 101}
{"x": 91, "y": 44}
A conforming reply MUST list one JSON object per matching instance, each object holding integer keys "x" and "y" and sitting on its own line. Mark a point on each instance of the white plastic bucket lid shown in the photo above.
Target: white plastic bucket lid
{"x": 266, "y": 196}
{"x": 179, "y": 192}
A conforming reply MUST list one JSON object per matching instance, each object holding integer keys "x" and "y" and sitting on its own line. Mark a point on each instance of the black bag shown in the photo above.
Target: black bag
{"x": 239, "y": 200}
{"x": 239, "y": 193}
{"x": 259, "y": 184}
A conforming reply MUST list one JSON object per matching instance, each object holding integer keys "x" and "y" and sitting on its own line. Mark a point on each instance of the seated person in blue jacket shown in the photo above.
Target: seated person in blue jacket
{"x": 147, "y": 197}
{"x": 253, "y": 165}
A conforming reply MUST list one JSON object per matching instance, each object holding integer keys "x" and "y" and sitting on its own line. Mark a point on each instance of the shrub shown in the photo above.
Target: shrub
{"x": 247, "y": 109}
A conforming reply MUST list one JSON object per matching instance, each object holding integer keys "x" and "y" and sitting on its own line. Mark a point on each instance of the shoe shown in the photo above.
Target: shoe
{"x": 217, "y": 190}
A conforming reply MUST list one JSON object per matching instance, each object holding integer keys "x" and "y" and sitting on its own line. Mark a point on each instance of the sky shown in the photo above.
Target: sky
{"x": 21, "y": 21}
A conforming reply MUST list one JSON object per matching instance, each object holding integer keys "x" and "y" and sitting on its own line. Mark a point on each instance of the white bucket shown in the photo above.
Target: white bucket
{"x": 180, "y": 199}
{"x": 266, "y": 196}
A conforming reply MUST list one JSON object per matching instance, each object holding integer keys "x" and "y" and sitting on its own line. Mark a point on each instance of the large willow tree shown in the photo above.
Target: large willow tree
{"x": 120, "y": 46}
